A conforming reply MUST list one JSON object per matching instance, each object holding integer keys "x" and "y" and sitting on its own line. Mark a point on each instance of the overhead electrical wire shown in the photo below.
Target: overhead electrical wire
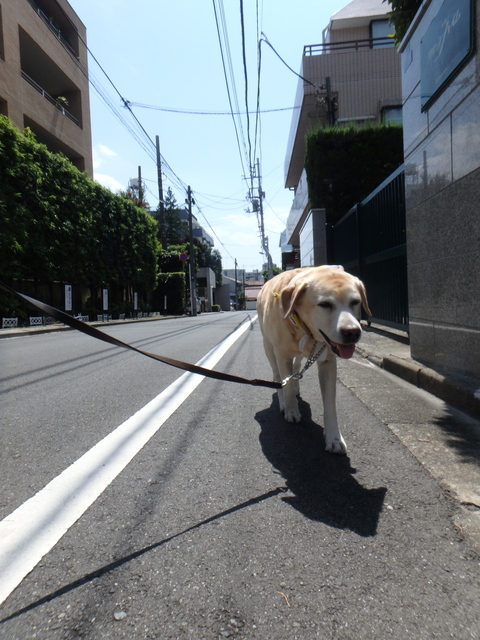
{"x": 259, "y": 70}
{"x": 205, "y": 112}
{"x": 245, "y": 74}
{"x": 231, "y": 91}
{"x": 142, "y": 137}
{"x": 147, "y": 144}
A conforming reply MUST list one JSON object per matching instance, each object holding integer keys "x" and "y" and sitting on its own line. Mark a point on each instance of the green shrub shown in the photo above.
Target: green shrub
{"x": 345, "y": 164}
{"x": 216, "y": 307}
{"x": 58, "y": 225}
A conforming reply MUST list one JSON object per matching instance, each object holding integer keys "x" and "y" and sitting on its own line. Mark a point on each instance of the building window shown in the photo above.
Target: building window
{"x": 392, "y": 115}
{"x": 381, "y": 34}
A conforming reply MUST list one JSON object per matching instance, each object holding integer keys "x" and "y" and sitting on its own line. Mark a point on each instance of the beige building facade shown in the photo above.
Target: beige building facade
{"x": 44, "y": 75}
{"x": 353, "y": 76}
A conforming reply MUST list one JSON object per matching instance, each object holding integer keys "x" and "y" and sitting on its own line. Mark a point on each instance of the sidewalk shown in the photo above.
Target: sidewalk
{"x": 390, "y": 350}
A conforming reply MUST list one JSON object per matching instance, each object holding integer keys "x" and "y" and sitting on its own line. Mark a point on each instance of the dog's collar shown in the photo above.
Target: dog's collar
{"x": 295, "y": 320}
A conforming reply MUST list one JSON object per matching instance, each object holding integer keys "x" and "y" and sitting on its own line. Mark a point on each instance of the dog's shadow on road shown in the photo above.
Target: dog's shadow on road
{"x": 323, "y": 484}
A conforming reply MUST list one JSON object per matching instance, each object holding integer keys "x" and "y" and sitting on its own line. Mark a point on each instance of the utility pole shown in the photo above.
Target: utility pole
{"x": 236, "y": 287}
{"x": 140, "y": 188}
{"x": 261, "y": 195}
{"x": 161, "y": 202}
{"x": 192, "y": 270}
{"x": 330, "y": 103}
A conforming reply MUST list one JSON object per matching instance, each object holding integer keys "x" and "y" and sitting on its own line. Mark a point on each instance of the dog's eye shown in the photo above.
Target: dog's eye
{"x": 325, "y": 304}
{"x": 355, "y": 302}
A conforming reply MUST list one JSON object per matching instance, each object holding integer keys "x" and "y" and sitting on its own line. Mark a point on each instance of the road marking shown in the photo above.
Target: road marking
{"x": 32, "y": 530}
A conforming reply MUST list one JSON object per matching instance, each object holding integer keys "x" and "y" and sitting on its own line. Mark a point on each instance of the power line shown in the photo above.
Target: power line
{"x": 205, "y": 112}
{"x": 265, "y": 39}
{"x": 245, "y": 73}
{"x": 225, "y": 53}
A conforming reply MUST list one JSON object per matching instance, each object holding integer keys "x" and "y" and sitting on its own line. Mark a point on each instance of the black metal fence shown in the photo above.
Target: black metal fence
{"x": 370, "y": 242}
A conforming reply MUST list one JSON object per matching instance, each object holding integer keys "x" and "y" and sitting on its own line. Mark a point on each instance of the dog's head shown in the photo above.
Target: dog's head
{"x": 328, "y": 301}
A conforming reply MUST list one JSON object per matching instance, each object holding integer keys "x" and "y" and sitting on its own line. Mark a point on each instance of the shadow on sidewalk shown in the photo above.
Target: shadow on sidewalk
{"x": 462, "y": 434}
{"x": 323, "y": 484}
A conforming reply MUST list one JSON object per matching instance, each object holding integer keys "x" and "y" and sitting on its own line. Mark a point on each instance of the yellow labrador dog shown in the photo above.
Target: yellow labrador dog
{"x": 304, "y": 312}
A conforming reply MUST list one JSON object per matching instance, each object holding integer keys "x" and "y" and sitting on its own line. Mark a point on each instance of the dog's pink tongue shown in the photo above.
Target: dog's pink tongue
{"x": 346, "y": 351}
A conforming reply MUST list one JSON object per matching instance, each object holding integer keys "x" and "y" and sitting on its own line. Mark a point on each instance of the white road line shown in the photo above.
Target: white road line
{"x": 29, "y": 533}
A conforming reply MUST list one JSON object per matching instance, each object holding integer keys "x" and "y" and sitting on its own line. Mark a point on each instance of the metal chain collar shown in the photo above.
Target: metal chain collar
{"x": 313, "y": 357}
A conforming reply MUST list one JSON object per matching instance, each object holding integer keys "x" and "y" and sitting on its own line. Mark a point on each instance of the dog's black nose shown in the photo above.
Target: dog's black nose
{"x": 351, "y": 334}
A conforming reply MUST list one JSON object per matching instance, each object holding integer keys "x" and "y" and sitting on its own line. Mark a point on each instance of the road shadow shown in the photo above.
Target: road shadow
{"x": 119, "y": 562}
{"x": 323, "y": 484}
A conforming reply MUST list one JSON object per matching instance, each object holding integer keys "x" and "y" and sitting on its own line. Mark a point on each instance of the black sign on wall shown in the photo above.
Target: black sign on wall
{"x": 446, "y": 46}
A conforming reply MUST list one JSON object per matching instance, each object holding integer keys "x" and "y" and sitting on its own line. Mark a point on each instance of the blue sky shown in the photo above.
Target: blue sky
{"x": 166, "y": 54}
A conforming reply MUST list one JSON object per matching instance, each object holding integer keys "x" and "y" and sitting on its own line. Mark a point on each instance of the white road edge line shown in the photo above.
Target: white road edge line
{"x": 31, "y": 531}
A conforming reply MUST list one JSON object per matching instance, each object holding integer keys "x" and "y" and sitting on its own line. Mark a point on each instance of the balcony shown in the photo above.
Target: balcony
{"x": 364, "y": 79}
{"x": 42, "y": 73}
{"x": 64, "y": 33}
{"x": 57, "y": 102}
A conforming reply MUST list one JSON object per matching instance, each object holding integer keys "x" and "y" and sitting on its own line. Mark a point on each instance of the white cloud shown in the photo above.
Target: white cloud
{"x": 100, "y": 152}
{"x": 109, "y": 182}
{"x": 106, "y": 151}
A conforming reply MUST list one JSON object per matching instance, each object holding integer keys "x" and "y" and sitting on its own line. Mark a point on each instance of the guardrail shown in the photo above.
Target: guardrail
{"x": 56, "y": 32}
{"x": 50, "y": 98}
{"x": 354, "y": 45}
{"x": 370, "y": 242}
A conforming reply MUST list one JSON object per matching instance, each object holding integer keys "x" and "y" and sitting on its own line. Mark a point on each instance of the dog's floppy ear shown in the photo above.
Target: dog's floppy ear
{"x": 363, "y": 296}
{"x": 290, "y": 296}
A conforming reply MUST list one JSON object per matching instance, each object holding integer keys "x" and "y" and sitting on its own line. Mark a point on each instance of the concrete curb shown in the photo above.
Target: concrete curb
{"x": 460, "y": 391}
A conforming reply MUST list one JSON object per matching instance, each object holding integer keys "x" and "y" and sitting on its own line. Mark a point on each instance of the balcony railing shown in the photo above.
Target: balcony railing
{"x": 355, "y": 45}
{"x": 56, "y": 32}
{"x": 50, "y": 98}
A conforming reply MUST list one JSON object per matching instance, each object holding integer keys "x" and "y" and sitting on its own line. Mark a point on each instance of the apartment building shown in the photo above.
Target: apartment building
{"x": 352, "y": 76}
{"x": 44, "y": 75}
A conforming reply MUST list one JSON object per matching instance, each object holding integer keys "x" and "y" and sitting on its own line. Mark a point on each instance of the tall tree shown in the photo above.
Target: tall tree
{"x": 176, "y": 228}
{"x": 401, "y": 15}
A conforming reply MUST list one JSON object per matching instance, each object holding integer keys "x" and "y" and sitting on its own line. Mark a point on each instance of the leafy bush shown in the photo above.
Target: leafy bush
{"x": 216, "y": 307}
{"x": 344, "y": 165}
{"x": 56, "y": 224}
{"x": 401, "y": 15}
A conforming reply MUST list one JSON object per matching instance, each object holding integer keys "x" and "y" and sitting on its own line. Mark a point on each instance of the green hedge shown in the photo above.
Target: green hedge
{"x": 56, "y": 224}
{"x": 344, "y": 165}
{"x": 173, "y": 286}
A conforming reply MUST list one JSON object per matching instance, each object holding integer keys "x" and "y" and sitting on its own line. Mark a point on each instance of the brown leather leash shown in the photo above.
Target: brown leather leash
{"x": 61, "y": 316}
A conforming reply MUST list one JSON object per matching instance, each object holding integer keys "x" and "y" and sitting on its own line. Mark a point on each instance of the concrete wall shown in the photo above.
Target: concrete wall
{"x": 442, "y": 167}
{"x": 313, "y": 239}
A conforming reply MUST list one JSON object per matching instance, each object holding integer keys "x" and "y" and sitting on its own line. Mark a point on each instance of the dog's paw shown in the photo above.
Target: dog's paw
{"x": 336, "y": 445}
{"x": 292, "y": 415}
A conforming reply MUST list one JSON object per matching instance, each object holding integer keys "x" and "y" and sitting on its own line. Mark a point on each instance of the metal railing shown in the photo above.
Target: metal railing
{"x": 370, "y": 242}
{"x": 354, "y": 45}
{"x": 56, "y": 32}
{"x": 50, "y": 98}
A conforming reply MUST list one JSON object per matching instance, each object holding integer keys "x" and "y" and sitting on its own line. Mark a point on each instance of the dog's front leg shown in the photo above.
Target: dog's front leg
{"x": 290, "y": 390}
{"x": 327, "y": 375}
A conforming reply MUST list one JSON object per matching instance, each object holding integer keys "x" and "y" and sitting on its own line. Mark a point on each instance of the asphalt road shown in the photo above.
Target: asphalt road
{"x": 228, "y": 522}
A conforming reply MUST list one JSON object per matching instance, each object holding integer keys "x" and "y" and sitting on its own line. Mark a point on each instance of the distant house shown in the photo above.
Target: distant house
{"x": 252, "y": 289}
